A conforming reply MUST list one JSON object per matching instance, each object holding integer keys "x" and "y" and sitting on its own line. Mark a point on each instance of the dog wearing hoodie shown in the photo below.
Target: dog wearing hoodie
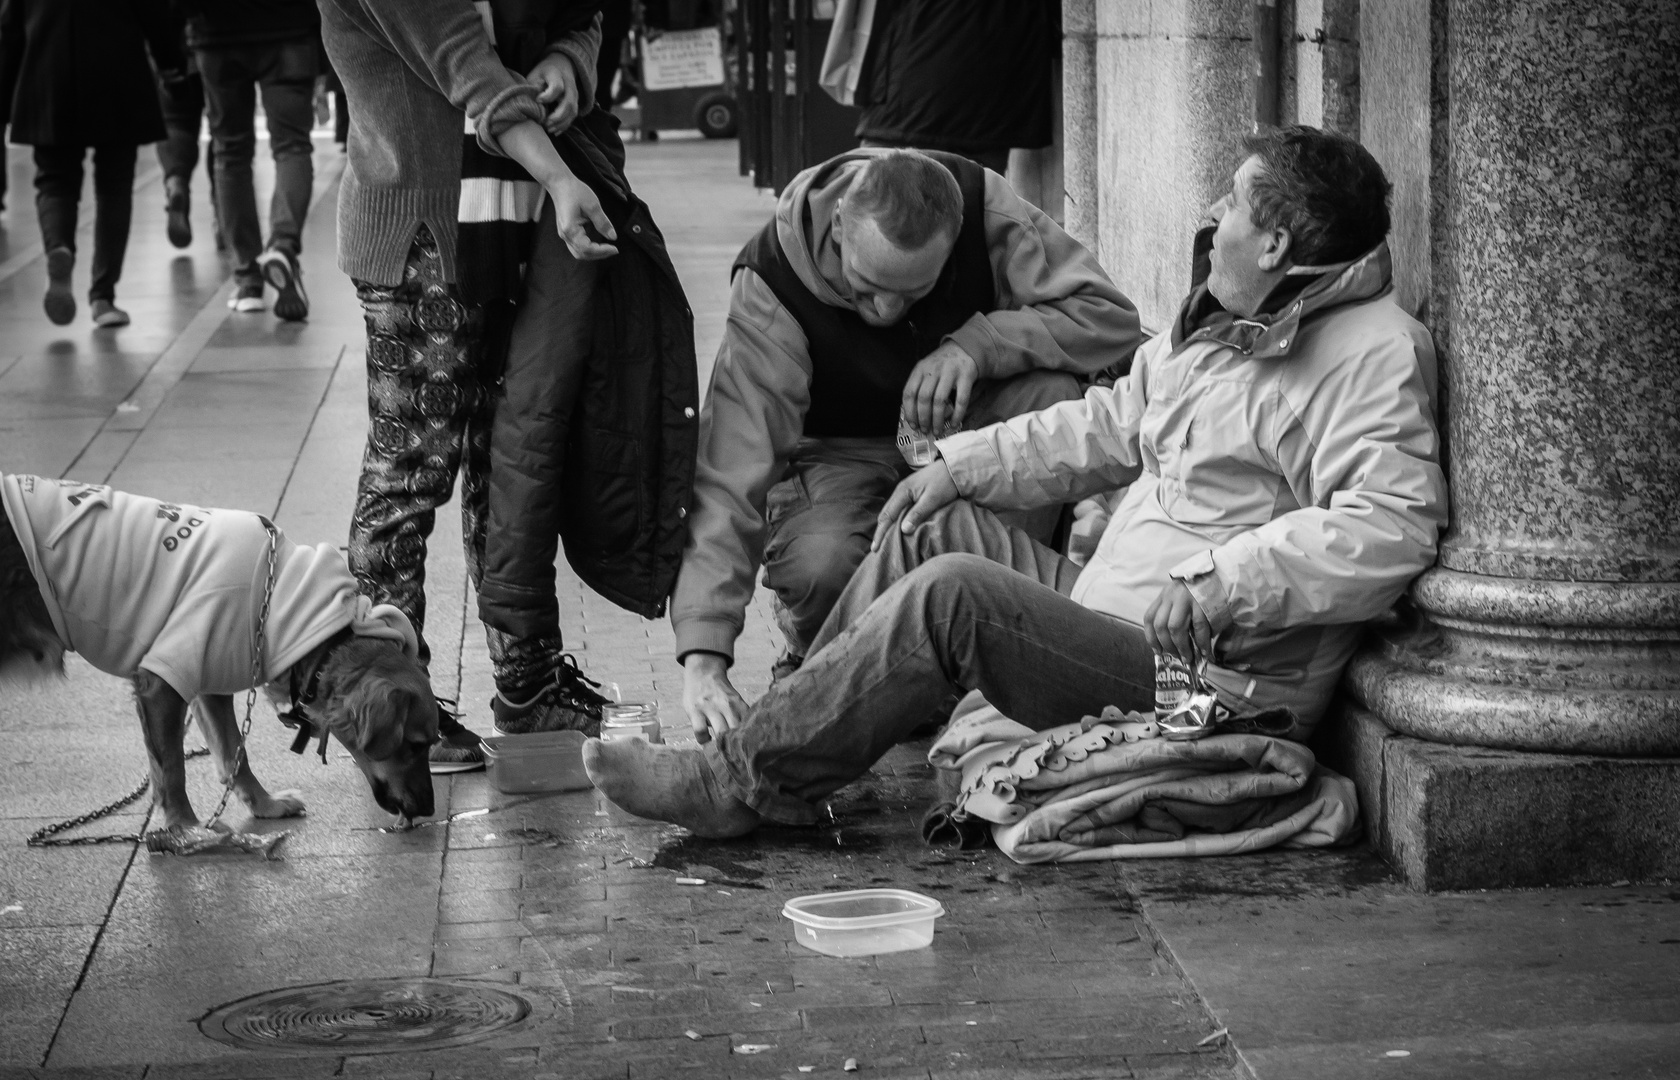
{"x": 169, "y": 596}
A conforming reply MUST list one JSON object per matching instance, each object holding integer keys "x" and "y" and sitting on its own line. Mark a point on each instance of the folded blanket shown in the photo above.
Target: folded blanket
{"x": 1109, "y": 787}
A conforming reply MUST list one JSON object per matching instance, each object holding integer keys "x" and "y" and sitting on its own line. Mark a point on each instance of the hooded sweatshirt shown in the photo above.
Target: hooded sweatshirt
{"x": 133, "y": 583}
{"x": 1286, "y": 468}
{"x": 1057, "y": 310}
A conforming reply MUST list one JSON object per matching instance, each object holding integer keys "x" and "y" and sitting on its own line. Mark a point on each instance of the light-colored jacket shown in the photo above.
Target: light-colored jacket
{"x": 1296, "y": 487}
{"x": 1058, "y": 311}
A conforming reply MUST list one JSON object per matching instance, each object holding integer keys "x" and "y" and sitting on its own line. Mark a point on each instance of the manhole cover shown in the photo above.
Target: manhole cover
{"x": 366, "y": 1016}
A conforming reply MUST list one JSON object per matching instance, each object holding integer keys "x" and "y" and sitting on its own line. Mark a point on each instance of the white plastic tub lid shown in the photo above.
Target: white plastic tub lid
{"x": 861, "y": 909}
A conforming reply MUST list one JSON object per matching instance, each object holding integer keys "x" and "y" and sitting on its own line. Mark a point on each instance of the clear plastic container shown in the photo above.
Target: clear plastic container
{"x": 631, "y": 720}
{"x": 538, "y": 762}
{"x": 863, "y": 922}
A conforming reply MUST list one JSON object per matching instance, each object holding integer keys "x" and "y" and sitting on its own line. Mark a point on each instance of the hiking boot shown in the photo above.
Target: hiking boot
{"x": 60, "y": 302}
{"x": 178, "y": 206}
{"x": 457, "y": 749}
{"x": 107, "y": 314}
{"x": 569, "y": 702}
{"x": 247, "y": 298}
{"x": 281, "y": 270}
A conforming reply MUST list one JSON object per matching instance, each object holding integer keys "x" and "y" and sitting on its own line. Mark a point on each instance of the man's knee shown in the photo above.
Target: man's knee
{"x": 811, "y": 571}
{"x": 1029, "y": 392}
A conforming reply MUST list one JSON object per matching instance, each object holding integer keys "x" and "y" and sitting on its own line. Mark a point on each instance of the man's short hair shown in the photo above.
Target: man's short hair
{"x": 909, "y": 196}
{"x": 1326, "y": 189}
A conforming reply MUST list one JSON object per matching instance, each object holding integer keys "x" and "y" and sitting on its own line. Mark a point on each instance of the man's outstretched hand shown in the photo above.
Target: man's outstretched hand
{"x": 1175, "y": 625}
{"x": 937, "y": 394}
{"x": 916, "y": 498}
{"x": 712, "y": 704}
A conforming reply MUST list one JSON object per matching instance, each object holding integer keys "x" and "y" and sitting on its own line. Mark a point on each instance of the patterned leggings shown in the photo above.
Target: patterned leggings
{"x": 431, "y": 398}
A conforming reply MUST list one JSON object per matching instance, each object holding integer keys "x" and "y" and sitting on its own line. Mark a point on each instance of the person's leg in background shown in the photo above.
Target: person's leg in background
{"x": 58, "y": 190}
{"x": 113, "y": 189}
{"x": 538, "y": 687}
{"x": 821, "y": 517}
{"x": 424, "y": 389}
{"x": 230, "y": 99}
{"x": 287, "y": 77}
{"x": 182, "y": 101}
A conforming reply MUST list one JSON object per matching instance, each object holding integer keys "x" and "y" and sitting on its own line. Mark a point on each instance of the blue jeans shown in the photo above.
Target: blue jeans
{"x": 964, "y": 602}
{"x": 284, "y": 71}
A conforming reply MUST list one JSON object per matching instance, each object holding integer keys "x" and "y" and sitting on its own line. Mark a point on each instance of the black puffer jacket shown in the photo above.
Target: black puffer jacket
{"x": 960, "y": 75}
{"x": 629, "y": 472}
{"x": 74, "y": 72}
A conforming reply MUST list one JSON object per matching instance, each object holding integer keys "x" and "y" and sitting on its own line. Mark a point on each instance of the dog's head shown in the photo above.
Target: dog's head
{"x": 379, "y": 704}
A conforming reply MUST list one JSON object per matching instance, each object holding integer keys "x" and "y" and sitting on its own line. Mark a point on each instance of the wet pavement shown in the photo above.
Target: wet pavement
{"x": 636, "y": 949}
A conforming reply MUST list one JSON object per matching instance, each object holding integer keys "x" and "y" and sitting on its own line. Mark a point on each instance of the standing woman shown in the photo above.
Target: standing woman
{"x": 74, "y": 75}
{"x": 411, "y": 68}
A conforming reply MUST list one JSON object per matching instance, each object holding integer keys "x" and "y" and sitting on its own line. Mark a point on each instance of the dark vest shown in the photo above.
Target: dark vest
{"x": 858, "y": 371}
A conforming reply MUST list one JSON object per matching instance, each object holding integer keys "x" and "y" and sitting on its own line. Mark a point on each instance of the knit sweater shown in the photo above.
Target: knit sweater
{"x": 411, "y": 68}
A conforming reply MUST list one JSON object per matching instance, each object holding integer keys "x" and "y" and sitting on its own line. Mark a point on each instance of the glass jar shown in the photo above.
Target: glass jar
{"x": 631, "y": 720}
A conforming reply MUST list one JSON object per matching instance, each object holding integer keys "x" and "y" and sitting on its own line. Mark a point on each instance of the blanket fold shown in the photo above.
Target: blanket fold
{"x": 1109, "y": 787}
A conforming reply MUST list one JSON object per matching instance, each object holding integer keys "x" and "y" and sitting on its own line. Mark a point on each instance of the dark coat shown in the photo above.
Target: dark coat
{"x": 75, "y": 73}
{"x": 960, "y": 75}
{"x": 628, "y": 478}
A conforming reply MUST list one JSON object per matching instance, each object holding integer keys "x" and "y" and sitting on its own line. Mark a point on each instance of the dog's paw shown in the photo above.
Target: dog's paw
{"x": 288, "y": 803}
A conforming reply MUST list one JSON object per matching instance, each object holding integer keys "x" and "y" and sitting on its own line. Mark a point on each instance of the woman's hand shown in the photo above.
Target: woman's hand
{"x": 556, "y": 83}
{"x": 576, "y": 210}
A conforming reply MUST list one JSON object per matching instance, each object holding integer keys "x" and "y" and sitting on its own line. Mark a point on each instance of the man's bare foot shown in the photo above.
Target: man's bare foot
{"x": 667, "y": 783}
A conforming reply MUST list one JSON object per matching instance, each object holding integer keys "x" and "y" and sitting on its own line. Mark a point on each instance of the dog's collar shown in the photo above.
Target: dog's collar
{"x": 304, "y": 684}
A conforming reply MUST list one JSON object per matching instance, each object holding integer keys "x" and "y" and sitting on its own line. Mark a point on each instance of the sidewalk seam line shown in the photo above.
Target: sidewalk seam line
{"x": 1164, "y": 950}
{"x": 326, "y": 389}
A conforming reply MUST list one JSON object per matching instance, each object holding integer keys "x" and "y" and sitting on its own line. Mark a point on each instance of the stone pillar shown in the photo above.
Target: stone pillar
{"x": 1079, "y": 120}
{"x": 1550, "y": 627}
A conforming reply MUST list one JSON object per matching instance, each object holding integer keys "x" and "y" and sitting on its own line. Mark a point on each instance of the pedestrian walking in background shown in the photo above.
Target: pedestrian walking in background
{"x": 411, "y": 68}
{"x": 244, "y": 47}
{"x": 969, "y": 76}
{"x": 181, "y": 97}
{"x": 74, "y": 74}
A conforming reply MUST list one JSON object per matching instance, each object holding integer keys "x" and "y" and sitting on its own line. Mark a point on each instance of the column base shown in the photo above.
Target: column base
{"x": 1460, "y": 817}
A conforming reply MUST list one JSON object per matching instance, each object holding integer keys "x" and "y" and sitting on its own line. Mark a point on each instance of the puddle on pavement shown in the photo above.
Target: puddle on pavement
{"x": 367, "y": 1016}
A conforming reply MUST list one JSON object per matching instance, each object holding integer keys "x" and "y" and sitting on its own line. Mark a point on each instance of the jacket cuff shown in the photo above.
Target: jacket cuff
{"x": 583, "y": 65}
{"x": 512, "y": 105}
{"x": 1206, "y": 587}
{"x": 974, "y": 337}
{"x": 706, "y": 633}
{"x": 970, "y": 458}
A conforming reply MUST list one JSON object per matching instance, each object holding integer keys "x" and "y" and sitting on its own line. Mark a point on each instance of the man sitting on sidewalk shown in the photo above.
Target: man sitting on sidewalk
{"x": 1282, "y": 451}
{"x": 889, "y": 283}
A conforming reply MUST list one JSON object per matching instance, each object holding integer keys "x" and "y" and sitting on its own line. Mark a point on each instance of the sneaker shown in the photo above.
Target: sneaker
{"x": 107, "y": 314}
{"x": 60, "y": 302}
{"x": 247, "y": 298}
{"x": 178, "y": 206}
{"x": 281, "y": 270}
{"x": 570, "y": 702}
{"x": 457, "y": 749}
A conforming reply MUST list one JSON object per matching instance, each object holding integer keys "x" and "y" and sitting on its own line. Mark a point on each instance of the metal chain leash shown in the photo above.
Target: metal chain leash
{"x": 46, "y": 835}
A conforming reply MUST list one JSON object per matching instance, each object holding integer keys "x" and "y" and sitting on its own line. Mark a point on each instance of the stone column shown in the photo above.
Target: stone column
{"x": 1079, "y": 120}
{"x": 1552, "y": 620}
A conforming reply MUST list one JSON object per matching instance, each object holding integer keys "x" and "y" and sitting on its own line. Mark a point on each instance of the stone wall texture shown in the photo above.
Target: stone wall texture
{"x": 1557, "y": 289}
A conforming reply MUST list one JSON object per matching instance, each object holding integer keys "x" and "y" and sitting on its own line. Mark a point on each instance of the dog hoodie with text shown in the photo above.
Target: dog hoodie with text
{"x": 134, "y": 583}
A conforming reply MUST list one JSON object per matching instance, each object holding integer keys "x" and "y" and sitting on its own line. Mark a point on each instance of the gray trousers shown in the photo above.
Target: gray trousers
{"x": 963, "y": 602}
{"x": 822, "y": 512}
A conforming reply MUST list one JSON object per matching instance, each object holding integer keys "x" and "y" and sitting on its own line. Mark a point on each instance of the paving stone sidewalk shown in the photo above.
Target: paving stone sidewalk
{"x": 641, "y": 950}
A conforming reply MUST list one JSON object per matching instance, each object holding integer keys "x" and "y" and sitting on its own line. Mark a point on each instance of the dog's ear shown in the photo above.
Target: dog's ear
{"x": 387, "y": 715}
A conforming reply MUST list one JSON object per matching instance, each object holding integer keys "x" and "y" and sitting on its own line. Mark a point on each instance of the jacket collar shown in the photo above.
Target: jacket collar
{"x": 1271, "y": 334}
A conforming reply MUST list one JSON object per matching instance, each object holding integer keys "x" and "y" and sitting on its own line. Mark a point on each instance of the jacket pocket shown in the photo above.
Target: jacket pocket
{"x": 605, "y": 507}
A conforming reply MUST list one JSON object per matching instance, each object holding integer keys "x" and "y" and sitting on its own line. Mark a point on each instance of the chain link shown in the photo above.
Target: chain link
{"x": 43, "y": 837}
